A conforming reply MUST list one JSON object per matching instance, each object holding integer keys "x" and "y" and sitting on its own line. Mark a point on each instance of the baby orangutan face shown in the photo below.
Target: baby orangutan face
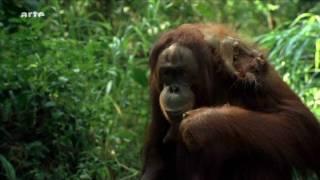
{"x": 240, "y": 60}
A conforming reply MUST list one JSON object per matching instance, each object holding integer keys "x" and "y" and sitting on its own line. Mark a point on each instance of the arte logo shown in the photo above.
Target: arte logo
{"x": 33, "y": 14}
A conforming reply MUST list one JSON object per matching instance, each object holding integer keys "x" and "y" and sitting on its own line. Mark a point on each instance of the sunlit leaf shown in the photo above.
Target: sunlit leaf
{"x": 317, "y": 55}
{"x": 273, "y": 7}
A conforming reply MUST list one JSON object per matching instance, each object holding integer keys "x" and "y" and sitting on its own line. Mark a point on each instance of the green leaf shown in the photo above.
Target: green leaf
{"x": 49, "y": 104}
{"x": 317, "y": 55}
{"x": 273, "y": 7}
{"x": 300, "y": 18}
{"x": 317, "y": 112}
{"x": 140, "y": 76}
{"x": 8, "y": 168}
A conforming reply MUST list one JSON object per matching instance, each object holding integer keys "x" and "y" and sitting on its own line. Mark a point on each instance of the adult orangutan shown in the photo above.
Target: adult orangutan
{"x": 221, "y": 111}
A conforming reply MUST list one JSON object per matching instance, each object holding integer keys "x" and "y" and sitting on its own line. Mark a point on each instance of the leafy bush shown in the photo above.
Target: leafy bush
{"x": 293, "y": 51}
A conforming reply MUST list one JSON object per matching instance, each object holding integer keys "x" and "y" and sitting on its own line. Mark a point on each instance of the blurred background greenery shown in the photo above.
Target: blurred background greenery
{"x": 73, "y": 84}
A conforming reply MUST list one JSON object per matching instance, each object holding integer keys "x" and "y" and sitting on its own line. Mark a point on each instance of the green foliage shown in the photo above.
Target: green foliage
{"x": 317, "y": 56}
{"x": 9, "y": 171}
{"x": 293, "y": 49}
{"x": 73, "y": 85}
